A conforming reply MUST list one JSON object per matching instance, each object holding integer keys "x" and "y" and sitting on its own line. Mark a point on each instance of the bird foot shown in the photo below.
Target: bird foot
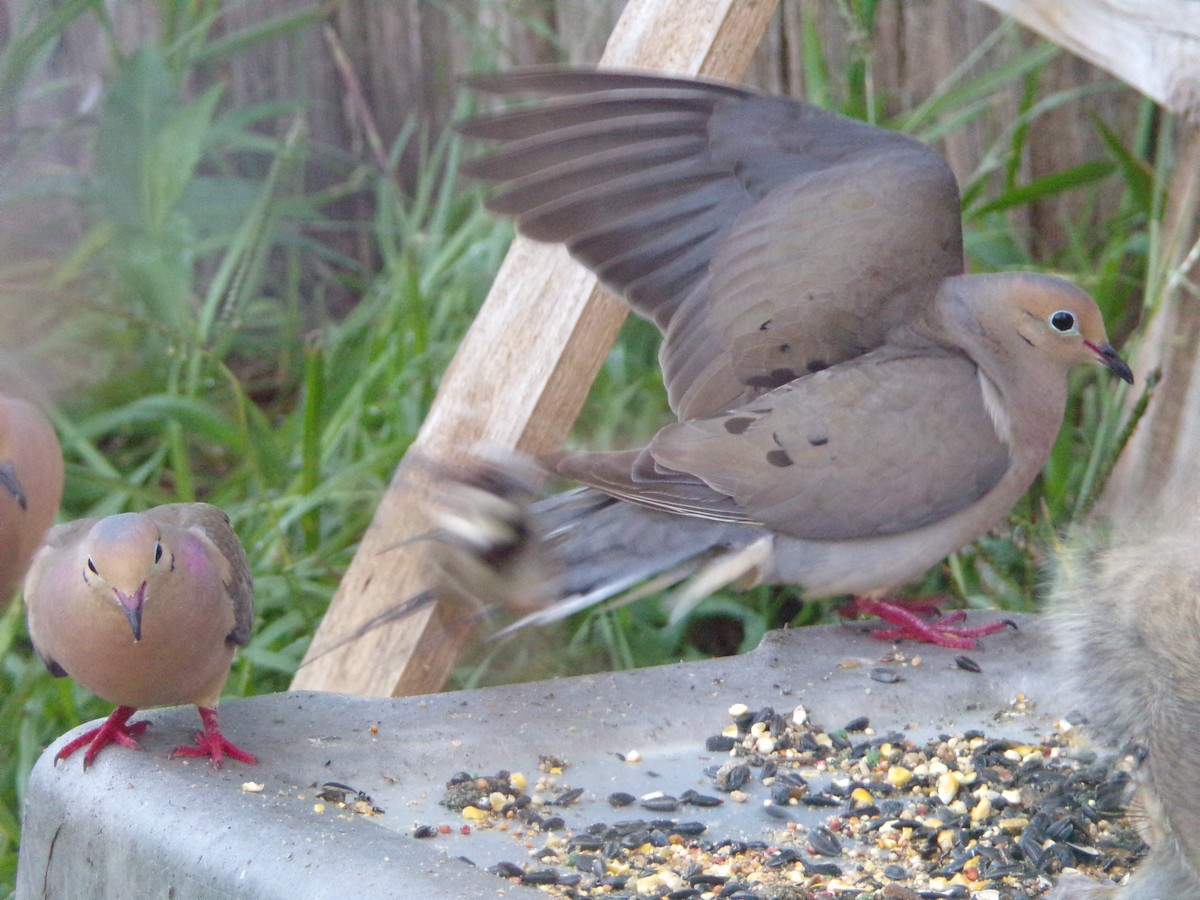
{"x": 907, "y": 622}
{"x": 115, "y": 730}
{"x": 211, "y": 743}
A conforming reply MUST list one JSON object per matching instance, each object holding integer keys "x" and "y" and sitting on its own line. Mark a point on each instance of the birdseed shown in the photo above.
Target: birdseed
{"x": 964, "y": 815}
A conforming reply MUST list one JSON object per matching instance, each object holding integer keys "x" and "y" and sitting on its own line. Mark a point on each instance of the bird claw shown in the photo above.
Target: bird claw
{"x": 908, "y": 623}
{"x": 211, "y": 743}
{"x": 115, "y": 730}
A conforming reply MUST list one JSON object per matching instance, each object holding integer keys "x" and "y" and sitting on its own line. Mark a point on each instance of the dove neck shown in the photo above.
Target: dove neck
{"x": 973, "y": 315}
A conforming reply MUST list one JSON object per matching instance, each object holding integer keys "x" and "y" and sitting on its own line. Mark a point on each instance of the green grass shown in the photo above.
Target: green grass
{"x": 196, "y": 293}
{"x": 195, "y": 298}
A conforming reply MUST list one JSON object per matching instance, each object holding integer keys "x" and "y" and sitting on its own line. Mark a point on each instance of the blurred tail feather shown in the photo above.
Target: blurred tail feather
{"x": 550, "y": 558}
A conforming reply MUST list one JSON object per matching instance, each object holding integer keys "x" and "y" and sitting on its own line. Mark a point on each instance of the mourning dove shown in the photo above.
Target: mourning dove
{"x": 144, "y": 609}
{"x": 31, "y": 483}
{"x": 851, "y": 407}
{"x": 1126, "y": 616}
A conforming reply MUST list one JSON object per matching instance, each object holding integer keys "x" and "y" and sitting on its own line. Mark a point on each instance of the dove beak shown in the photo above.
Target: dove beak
{"x": 1108, "y": 358}
{"x": 132, "y": 607}
{"x": 10, "y": 482}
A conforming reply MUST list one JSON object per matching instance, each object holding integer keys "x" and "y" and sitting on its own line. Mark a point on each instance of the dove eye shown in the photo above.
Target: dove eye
{"x": 1063, "y": 322}
{"x": 92, "y": 566}
{"x": 157, "y": 551}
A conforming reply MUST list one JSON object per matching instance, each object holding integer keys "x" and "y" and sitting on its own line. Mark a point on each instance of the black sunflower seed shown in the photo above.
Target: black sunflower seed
{"x": 967, "y": 664}
{"x": 732, "y": 776}
{"x": 665, "y": 803}
{"x": 824, "y": 842}
{"x": 540, "y": 876}
{"x": 507, "y": 870}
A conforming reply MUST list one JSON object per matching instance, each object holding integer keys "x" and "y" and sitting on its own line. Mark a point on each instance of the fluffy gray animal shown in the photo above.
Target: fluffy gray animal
{"x": 1127, "y": 607}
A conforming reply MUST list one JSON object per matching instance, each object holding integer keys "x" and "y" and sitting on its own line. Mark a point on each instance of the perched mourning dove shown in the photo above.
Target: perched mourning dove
{"x": 31, "y": 483}
{"x": 852, "y": 407}
{"x": 1126, "y": 614}
{"x": 144, "y": 609}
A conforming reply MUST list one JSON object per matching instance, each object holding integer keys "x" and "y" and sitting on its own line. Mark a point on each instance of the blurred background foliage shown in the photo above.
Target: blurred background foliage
{"x": 235, "y": 258}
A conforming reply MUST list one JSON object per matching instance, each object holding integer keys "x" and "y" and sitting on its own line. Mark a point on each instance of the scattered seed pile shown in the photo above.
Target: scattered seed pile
{"x": 961, "y": 816}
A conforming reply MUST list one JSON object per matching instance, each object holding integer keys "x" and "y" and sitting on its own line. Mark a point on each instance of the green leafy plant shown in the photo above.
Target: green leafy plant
{"x": 193, "y": 289}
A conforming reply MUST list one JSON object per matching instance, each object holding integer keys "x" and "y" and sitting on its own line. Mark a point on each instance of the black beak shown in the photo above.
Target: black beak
{"x": 10, "y": 482}
{"x": 135, "y": 622}
{"x": 132, "y": 606}
{"x": 1112, "y": 362}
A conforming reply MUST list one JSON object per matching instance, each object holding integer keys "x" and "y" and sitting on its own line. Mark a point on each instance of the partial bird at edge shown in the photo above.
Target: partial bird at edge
{"x": 31, "y": 486}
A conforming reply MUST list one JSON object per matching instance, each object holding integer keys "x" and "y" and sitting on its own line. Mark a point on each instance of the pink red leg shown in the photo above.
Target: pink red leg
{"x": 115, "y": 730}
{"x": 909, "y": 624}
{"x": 211, "y": 743}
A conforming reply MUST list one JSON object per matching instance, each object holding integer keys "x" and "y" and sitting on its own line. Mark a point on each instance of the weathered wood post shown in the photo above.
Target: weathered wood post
{"x": 518, "y": 380}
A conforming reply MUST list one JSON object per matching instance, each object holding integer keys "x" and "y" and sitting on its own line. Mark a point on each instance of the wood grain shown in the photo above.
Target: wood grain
{"x": 1150, "y": 44}
{"x": 518, "y": 380}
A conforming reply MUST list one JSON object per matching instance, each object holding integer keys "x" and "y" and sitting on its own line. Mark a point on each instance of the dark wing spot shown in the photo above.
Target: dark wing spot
{"x": 779, "y": 458}
{"x": 765, "y": 326}
{"x": 738, "y": 424}
{"x": 773, "y": 379}
{"x": 817, "y": 365}
{"x": 819, "y": 440}
{"x": 784, "y": 348}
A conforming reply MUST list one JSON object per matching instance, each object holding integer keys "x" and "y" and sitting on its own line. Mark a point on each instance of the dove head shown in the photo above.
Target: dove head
{"x": 1011, "y": 313}
{"x": 123, "y": 554}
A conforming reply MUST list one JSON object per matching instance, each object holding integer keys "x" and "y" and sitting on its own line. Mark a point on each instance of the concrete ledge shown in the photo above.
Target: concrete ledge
{"x": 142, "y": 825}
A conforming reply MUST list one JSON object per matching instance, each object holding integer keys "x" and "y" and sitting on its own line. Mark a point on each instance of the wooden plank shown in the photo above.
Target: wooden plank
{"x": 518, "y": 380}
{"x": 1161, "y": 463}
{"x": 1153, "y": 45}
{"x": 1150, "y": 44}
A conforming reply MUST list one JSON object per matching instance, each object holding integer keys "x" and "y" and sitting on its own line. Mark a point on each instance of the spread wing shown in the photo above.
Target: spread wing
{"x": 767, "y": 238}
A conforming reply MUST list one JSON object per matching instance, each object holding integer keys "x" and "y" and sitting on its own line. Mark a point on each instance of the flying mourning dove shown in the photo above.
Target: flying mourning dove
{"x": 144, "y": 609}
{"x": 31, "y": 483}
{"x": 1126, "y": 617}
{"x": 852, "y": 407}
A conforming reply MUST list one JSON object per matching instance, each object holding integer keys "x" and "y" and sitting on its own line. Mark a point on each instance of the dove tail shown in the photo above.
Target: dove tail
{"x": 1128, "y": 624}
{"x": 546, "y": 559}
